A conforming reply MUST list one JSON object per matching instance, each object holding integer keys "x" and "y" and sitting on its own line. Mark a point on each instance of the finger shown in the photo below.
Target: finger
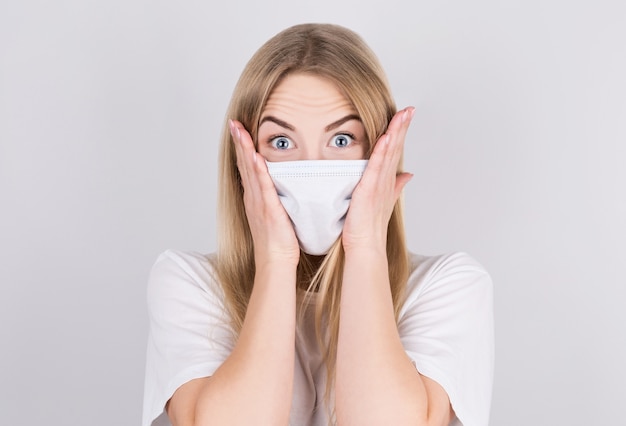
{"x": 246, "y": 153}
{"x": 400, "y": 122}
{"x": 383, "y": 162}
{"x": 257, "y": 174}
{"x": 398, "y": 129}
{"x": 258, "y": 168}
{"x": 263, "y": 175}
{"x": 372, "y": 175}
{"x": 401, "y": 180}
{"x": 394, "y": 136}
{"x": 234, "y": 133}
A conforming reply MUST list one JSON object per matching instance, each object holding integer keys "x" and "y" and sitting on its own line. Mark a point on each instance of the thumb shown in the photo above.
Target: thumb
{"x": 401, "y": 180}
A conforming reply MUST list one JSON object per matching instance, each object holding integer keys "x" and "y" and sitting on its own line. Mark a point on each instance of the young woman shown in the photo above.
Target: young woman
{"x": 312, "y": 311}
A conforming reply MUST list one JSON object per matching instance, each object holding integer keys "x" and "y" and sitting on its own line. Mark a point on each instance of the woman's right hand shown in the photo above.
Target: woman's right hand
{"x": 272, "y": 231}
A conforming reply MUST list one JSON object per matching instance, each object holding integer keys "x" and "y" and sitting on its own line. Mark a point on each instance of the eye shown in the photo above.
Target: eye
{"x": 342, "y": 140}
{"x": 281, "y": 142}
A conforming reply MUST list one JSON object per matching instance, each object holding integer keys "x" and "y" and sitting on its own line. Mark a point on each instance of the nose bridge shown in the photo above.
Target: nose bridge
{"x": 312, "y": 148}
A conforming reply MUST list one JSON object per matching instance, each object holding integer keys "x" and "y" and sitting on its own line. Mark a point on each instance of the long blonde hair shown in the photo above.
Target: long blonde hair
{"x": 340, "y": 55}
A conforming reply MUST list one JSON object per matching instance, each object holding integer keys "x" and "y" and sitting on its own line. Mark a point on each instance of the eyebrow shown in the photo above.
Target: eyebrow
{"x": 281, "y": 123}
{"x": 339, "y": 122}
{"x": 328, "y": 128}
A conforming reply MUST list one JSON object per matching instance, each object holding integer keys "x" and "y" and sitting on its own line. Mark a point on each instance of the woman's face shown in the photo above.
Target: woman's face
{"x": 307, "y": 118}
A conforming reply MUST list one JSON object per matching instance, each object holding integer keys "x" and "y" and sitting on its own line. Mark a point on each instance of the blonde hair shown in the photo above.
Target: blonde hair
{"x": 341, "y": 56}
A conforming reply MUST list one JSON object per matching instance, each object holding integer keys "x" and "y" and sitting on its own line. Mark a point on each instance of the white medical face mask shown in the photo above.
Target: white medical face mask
{"x": 316, "y": 195}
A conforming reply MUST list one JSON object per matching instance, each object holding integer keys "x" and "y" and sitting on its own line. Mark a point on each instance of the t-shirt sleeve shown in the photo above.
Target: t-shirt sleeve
{"x": 446, "y": 327}
{"x": 189, "y": 334}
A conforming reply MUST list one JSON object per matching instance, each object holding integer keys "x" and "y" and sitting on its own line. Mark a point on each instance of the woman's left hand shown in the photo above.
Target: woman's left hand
{"x": 380, "y": 187}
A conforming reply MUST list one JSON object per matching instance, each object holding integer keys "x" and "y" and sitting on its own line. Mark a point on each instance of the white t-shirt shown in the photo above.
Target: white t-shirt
{"x": 446, "y": 327}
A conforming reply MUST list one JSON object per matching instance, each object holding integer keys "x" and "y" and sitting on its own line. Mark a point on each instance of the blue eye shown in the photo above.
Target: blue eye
{"x": 281, "y": 142}
{"x": 342, "y": 140}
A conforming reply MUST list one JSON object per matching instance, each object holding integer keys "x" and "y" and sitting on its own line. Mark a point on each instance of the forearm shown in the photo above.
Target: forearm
{"x": 376, "y": 383}
{"x": 254, "y": 385}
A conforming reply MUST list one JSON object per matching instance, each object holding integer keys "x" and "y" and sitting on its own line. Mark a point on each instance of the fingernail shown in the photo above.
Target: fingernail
{"x": 233, "y": 129}
{"x": 405, "y": 115}
{"x": 412, "y": 112}
{"x": 254, "y": 156}
{"x": 387, "y": 139}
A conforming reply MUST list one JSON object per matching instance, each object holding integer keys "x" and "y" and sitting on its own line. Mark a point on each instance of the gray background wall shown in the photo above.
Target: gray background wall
{"x": 109, "y": 117}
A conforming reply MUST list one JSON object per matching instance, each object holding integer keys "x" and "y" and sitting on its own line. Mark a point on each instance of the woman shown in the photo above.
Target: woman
{"x": 313, "y": 313}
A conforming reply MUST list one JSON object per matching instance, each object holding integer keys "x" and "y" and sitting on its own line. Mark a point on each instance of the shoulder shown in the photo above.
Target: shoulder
{"x": 195, "y": 264}
{"x": 455, "y": 270}
{"x": 190, "y": 332}
{"x": 447, "y": 282}
{"x": 182, "y": 276}
{"x": 446, "y": 325}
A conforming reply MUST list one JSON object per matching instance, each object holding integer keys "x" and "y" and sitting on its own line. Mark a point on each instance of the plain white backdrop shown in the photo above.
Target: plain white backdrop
{"x": 110, "y": 112}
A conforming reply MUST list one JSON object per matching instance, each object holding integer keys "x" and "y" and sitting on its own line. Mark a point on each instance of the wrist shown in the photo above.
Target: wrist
{"x": 267, "y": 264}
{"x": 371, "y": 241}
{"x": 275, "y": 275}
{"x": 364, "y": 252}
{"x": 281, "y": 258}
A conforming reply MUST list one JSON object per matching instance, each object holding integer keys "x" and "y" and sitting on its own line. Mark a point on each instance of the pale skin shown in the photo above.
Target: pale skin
{"x": 308, "y": 118}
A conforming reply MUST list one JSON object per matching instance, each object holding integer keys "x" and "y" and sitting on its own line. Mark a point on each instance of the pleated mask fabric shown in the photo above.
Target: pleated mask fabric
{"x": 316, "y": 195}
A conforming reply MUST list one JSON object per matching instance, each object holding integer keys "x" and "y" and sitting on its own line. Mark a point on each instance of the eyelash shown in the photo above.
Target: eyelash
{"x": 350, "y": 135}
{"x": 272, "y": 138}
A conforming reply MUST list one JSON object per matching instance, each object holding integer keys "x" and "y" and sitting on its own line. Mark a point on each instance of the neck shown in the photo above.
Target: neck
{"x": 307, "y": 268}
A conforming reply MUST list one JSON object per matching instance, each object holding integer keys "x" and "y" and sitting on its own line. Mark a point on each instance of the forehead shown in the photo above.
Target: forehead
{"x": 307, "y": 94}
